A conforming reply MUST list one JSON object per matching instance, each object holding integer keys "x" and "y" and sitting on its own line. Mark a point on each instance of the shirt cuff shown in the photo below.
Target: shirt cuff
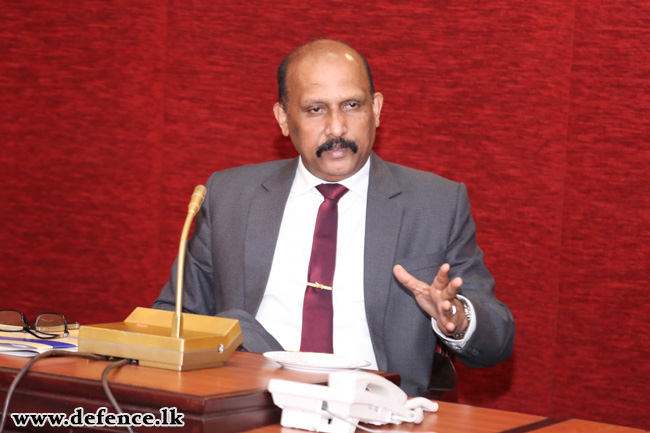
{"x": 458, "y": 344}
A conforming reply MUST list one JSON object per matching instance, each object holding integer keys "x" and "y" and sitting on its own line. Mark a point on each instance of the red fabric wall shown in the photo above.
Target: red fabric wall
{"x": 111, "y": 112}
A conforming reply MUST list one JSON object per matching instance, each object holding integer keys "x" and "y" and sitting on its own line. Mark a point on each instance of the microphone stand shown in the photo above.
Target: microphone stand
{"x": 165, "y": 339}
{"x": 193, "y": 208}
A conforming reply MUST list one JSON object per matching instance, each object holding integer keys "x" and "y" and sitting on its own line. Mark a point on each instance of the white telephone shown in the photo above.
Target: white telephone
{"x": 351, "y": 396}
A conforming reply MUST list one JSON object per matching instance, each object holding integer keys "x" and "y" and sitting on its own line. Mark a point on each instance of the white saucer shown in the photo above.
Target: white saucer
{"x": 315, "y": 362}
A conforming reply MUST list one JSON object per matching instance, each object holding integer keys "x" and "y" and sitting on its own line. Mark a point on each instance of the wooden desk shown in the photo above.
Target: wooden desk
{"x": 458, "y": 418}
{"x": 232, "y": 398}
{"x": 582, "y": 426}
{"x": 450, "y": 418}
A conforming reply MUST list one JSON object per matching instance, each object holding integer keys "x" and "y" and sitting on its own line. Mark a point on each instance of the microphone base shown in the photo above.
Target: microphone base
{"x": 204, "y": 342}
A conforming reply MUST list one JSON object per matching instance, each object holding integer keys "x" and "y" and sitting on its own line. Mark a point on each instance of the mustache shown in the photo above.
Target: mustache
{"x": 335, "y": 144}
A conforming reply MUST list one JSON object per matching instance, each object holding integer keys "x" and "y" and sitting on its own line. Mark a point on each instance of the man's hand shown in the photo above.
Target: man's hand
{"x": 437, "y": 299}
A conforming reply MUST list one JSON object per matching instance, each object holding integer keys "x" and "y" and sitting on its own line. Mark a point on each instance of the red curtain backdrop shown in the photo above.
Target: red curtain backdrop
{"x": 112, "y": 111}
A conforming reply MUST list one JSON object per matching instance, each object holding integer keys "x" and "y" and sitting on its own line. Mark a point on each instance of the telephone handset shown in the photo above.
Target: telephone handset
{"x": 350, "y": 397}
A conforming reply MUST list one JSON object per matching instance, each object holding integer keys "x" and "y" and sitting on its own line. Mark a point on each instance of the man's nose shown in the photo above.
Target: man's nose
{"x": 336, "y": 123}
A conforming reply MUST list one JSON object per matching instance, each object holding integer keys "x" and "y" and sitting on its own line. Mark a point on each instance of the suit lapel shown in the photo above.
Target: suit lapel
{"x": 264, "y": 220}
{"x": 383, "y": 222}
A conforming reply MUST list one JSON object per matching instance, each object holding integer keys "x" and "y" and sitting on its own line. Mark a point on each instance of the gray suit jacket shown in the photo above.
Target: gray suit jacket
{"x": 414, "y": 218}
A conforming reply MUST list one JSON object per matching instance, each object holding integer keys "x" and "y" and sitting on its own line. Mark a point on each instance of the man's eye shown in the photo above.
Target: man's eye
{"x": 352, "y": 105}
{"x": 316, "y": 110}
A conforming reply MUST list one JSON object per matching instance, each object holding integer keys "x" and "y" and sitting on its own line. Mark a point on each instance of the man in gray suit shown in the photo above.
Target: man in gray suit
{"x": 408, "y": 270}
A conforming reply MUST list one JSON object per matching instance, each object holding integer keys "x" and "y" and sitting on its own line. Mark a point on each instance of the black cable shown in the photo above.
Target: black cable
{"x": 23, "y": 371}
{"x": 107, "y": 389}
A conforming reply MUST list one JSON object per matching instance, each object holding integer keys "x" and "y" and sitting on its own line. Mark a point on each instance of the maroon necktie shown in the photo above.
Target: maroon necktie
{"x": 317, "y": 312}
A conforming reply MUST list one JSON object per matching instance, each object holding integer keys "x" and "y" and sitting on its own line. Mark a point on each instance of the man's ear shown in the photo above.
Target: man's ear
{"x": 377, "y": 103}
{"x": 281, "y": 117}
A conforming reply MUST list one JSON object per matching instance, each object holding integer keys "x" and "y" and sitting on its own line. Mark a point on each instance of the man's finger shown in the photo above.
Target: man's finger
{"x": 451, "y": 290}
{"x": 442, "y": 278}
{"x": 448, "y": 308}
{"x": 408, "y": 280}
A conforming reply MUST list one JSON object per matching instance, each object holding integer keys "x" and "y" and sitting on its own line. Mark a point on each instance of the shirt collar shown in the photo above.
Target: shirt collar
{"x": 305, "y": 181}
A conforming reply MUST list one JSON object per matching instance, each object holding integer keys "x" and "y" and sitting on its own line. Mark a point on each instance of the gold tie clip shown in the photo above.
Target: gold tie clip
{"x": 319, "y": 286}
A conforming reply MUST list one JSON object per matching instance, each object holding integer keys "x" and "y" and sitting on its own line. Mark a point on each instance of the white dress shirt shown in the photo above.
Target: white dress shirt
{"x": 280, "y": 311}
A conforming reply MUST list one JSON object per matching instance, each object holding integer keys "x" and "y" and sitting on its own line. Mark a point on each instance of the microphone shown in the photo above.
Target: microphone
{"x": 164, "y": 339}
{"x": 192, "y": 210}
{"x": 197, "y": 199}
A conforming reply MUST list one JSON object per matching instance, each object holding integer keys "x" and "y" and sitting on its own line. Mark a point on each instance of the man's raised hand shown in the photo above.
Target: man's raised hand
{"x": 437, "y": 299}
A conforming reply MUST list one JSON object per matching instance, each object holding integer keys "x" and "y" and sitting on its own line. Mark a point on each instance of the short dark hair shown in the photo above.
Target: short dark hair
{"x": 283, "y": 92}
